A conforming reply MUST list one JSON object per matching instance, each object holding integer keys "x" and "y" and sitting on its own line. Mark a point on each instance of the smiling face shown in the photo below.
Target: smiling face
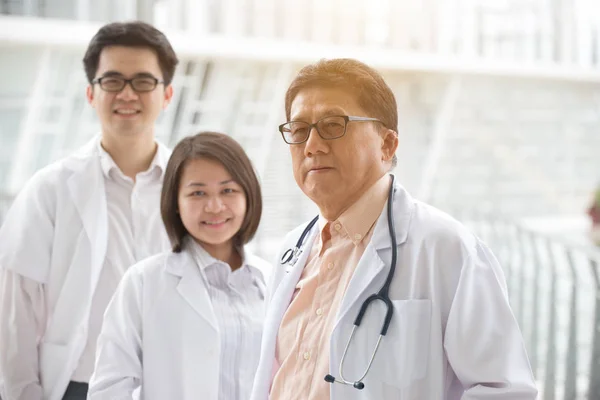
{"x": 211, "y": 204}
{"x": 335, "y": 173}
{"x": 128, "y": 113}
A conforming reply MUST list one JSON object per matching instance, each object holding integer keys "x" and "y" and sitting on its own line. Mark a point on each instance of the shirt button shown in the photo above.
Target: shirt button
{"x": 330, "y": 266}
{"x": 319, "y": 311}
{"x": 307, "y": 356}
{"x": 358, "y": 236}
{"x": 338, "y": 227}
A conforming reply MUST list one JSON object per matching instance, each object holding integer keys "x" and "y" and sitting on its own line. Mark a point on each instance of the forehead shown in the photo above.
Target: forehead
{"x": 128, "y": 61}
{"x": 204, "y": 170}
{"x": 317, "y": 101}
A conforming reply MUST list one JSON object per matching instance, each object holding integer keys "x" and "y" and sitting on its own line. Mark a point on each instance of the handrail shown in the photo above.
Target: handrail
{"x": 554, "y": 288}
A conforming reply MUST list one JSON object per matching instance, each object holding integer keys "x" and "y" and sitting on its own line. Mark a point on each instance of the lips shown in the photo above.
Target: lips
{"x": 319, "y": 169}
{"x": 126, "y": 111}
{"x": 216, "y": 223}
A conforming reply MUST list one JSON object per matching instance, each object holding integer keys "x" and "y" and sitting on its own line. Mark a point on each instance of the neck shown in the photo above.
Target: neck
{"x": 131, "y": 154}
{"x": 331, "y": 208}
{"x": 225, "y": 252}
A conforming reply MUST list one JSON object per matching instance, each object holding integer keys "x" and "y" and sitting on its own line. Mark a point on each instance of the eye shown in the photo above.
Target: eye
{"x": 111, "y": 82}
{"x": 228, "y": 190}
{"x": 144, "y": 84}
{"x": 197, "y": 193}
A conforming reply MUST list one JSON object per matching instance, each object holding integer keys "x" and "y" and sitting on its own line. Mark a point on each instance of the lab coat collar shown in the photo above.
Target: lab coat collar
{"x": 191, "y": 286}
{"x": 373, "y": 265}
{"x": 403, "y": 206}
{"x": 86, "y": 187}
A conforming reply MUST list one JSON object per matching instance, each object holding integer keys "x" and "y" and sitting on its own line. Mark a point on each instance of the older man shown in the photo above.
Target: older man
{"x": 452, "y": 334}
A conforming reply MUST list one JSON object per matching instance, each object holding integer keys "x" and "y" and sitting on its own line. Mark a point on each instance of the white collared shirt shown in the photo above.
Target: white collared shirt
{"x": 135, "y": 232}
{"x": 238, "y": 302}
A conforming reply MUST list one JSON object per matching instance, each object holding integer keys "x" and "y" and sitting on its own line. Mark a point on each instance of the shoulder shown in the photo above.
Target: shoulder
{"x": 56, "y": 174}
{"x": 259, "y": 263}
{"x": 437, "y": 227}
{"x": 430, "y": 229}
{"x": 154, "y": 263}
{"x": 150, "y": 269}
{"x": 47, "y": 178}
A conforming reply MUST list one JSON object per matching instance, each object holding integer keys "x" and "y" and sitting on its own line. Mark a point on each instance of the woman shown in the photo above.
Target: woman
{"x": 187, "y": 324}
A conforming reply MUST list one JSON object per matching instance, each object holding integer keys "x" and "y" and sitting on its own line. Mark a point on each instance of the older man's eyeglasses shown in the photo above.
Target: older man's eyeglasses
{"x": 117, "y": 83}
{"x": 328, "y": 128}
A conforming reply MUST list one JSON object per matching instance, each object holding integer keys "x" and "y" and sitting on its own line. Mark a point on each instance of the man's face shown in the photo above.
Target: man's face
{"x": 127, "y": 112}
{"x": 335, "y": 173}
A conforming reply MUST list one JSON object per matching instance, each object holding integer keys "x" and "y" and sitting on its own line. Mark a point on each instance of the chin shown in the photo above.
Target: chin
{"x": 317, "y": 192}
{"x": 213, "y": 240}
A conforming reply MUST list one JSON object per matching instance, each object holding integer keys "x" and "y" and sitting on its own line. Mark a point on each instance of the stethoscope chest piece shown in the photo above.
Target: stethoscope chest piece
{"x": 290, "y": 256}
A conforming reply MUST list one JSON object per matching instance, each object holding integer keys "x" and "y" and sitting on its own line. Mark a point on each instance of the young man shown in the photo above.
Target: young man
{"x": 80, "y": 222}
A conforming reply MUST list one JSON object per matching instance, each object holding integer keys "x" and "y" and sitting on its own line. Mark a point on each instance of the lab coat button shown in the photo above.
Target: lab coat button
{"x": 307, "y": 356}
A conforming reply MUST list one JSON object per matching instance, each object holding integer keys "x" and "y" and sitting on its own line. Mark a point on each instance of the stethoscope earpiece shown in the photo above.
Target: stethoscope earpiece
{"x": 359, "y": 385}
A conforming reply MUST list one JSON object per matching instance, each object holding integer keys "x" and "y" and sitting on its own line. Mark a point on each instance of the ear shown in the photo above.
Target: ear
{"x": 389, "y": 144}
{"x": 168, "y": 96}
{"x": 89, "y": 94}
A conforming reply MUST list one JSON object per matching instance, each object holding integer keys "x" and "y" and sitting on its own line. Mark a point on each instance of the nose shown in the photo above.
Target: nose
{"x": 214, "y": 204}
{"x": 127, "y": 93}
{"x": 314, "y": 144}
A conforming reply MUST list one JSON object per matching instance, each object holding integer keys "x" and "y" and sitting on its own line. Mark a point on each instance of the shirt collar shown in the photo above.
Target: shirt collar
{"x": 359, "y": 218}
{"x": 159, "y": 162}
{"x": 205, "y": 260}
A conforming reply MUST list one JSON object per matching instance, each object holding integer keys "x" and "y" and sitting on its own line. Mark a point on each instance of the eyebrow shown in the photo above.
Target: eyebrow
{"x": 327, "y": 113}
{"x": 120, "y": 75}
{"x": 203, "y": 184}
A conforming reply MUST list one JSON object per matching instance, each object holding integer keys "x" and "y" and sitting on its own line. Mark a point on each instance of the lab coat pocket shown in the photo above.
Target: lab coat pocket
{"x": 403, "y": 353}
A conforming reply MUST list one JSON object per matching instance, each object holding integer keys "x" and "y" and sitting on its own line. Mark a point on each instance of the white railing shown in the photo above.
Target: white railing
{"x": 548, "y": 32}
{"x": 554, "y": 289}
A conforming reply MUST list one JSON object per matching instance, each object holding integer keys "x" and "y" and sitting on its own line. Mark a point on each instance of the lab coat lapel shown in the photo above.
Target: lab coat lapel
{"x": 192, "y": 286}
{"x": 373, "y": 266}
{"x": 282, "y": 296}
{"x": 368, "y": 269}
{"x": 86, "y": 187}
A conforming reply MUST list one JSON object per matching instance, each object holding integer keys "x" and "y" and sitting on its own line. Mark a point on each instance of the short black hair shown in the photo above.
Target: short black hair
{"x": 131, "y": 34}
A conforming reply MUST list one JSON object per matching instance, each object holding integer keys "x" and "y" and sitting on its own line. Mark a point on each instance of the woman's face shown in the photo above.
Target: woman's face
{"x": 211, "y": 204}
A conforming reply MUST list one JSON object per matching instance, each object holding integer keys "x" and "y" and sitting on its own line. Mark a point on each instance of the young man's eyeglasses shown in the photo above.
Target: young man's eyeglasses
{"x": 117, "y": 83}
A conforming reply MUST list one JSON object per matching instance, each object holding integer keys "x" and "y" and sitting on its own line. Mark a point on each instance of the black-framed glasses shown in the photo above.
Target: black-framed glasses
{"x": 117, "y": 83}
{"x": 329, "y": 128}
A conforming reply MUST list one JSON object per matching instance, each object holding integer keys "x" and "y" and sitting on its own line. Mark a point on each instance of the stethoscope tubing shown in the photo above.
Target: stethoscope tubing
{"x": 290, "y": 256}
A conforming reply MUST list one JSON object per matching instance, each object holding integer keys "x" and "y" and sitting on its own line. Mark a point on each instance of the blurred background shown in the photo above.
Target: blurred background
{"x": 499, "y": 104}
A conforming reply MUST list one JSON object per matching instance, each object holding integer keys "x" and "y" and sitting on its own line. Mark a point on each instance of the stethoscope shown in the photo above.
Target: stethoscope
{"x": 291, "y": 257}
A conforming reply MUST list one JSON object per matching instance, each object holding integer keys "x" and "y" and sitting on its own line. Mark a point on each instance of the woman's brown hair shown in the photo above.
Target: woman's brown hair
{"x": 225, "y": 150}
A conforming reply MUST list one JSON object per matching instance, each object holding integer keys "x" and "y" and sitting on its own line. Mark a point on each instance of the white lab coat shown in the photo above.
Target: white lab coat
{"x": 161, "y": 315}
{"x": 56, "y": 234}
{"x": 452, "y": 336}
